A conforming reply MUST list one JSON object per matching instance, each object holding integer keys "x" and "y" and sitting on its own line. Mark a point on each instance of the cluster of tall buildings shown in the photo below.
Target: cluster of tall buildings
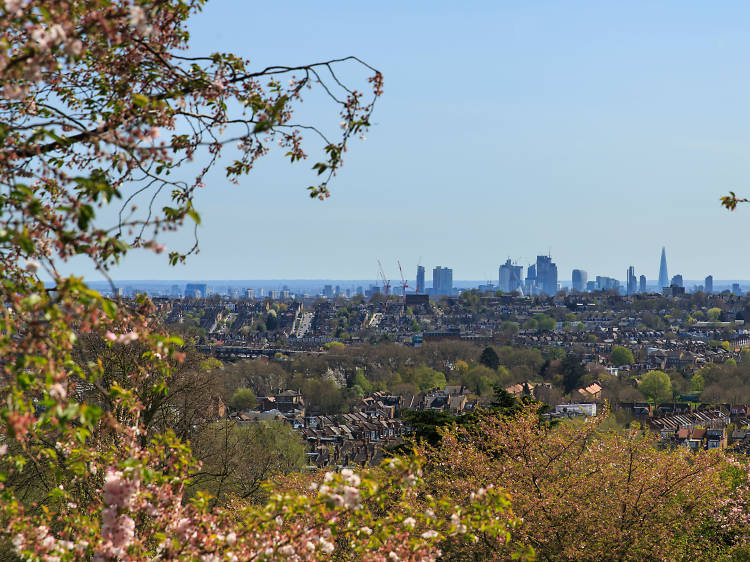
{"x": 510, "y": 277}
{"x": 634, "y": 284}
{"x": 442, "y": 281}
{"x": 542, "y": 278}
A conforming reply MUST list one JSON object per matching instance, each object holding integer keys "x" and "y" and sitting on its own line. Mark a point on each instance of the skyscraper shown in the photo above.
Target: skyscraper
{"x": 677, "y": 281}
{"x": 546, "y": 275}
{"x": 442, "y": 281}
{"x": 509, "y": 277}
{"x": 604, "y": 283}
{"x": 709, "y": 284}
{"x": 579, "y": 280}
{"x": 663, "y": 275}
{"x": 197, "y": 290}
{"x": 632, "y": 284}
{"x": 642, "y": 287}
{"x": 420, "y": 280}
{"x": 531, "y": 279}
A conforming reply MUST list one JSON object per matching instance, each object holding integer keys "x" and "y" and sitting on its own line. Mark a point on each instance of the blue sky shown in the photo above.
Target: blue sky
{"x": 597, "y": 131}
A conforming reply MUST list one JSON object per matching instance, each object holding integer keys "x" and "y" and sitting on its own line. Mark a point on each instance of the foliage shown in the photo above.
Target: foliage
{"x": 510, "y": 328}
{"x": 322, "y": 396}
{"x": 504, "y": 403}
{"x": 272, "y": 321}
{"x": 424, "y": 377}
{"x": 656, "y": 386}
{"x": 573, "y": 372}
{"x": 621, "y": 356}
{"x": 489, "y": 358}
{"x": 236, "y": 459}
{"x": 461, "y": 367}
{"x": 210, "y": 363}
{"x": 544, "y": 323}
{"x": 481, "y": 380}
{"x": 697, "y": 382}
{"x": 243, "y": 399}
{"x": 424, "y": 425}
{"x": 361, "y": 381}
{"x": 583, "y": 493}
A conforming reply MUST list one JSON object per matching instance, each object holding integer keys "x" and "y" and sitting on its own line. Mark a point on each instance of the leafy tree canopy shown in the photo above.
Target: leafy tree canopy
{"x": 621, "y": 356}
{"x": 489, "y": 358}
{"x": 243, "y": 399}
{"x": 656, "y": 386}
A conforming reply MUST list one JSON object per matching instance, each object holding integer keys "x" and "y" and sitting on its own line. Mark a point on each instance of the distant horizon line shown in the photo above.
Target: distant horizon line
{"x": 394, "y": 282}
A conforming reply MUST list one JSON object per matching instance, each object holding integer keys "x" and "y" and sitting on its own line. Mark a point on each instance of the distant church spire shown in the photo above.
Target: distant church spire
{"x": 663, "y": 275}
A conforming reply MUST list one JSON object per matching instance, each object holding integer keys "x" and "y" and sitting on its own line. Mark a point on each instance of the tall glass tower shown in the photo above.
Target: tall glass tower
{"x": 663, "y": 275}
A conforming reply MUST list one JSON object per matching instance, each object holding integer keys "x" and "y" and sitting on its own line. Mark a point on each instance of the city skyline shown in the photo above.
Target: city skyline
{"x": 540, "y": 278}
{"x": 510, "y": 274}
{"x": 306, "y": 288}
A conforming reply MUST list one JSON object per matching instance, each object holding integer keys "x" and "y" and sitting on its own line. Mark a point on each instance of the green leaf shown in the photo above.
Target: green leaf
{"x": 262, "y": 126}
{"x": 140, "y": 100}
{"x": 109, "y": 308}
{"x": 85, "y": 214}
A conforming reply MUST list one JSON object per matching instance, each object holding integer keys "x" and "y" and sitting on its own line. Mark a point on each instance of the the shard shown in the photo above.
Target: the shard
{"x": 663, "y": 275}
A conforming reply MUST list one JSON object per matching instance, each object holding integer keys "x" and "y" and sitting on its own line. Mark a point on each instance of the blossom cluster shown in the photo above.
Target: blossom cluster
{"x": 344, "y": 494}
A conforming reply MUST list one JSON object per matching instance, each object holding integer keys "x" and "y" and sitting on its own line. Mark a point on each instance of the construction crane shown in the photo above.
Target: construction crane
{"x": 403, "y": 286}
{"x": 386, "y": 282}
{"x": 386, "y": 285}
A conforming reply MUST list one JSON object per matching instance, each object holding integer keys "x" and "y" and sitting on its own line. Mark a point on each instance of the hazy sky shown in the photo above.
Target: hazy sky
{"x": 597, "y": 131}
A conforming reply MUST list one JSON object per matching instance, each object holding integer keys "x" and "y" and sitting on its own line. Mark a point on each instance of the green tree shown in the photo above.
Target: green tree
{"x": 656, "y": 386}
{"x": 510, "y": 328}
{"x": 480, "y": 380}
{"x": 424, "y": 425}
{"x": 621, "y": 356}
{"x": 361, "y": 380}
{"x": 489, "y": 358}
{"x": 713, "y": 314}
{"x": 272, "y": 321}
{"x": 504, "y": 403}
{"x": 461, "y": 367}
{"x": 243, "y": 399}
{"x": 238, "y": 458}
{"x": 323, "y": 396}
{"x": 572, "y": 370}
{"x": 428, "y": 378}
{"x": 697, "y": 383}
{"x": 553, "y": 353}
{"x": 210, "y": 363}
{"x": 545, "y": 323}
